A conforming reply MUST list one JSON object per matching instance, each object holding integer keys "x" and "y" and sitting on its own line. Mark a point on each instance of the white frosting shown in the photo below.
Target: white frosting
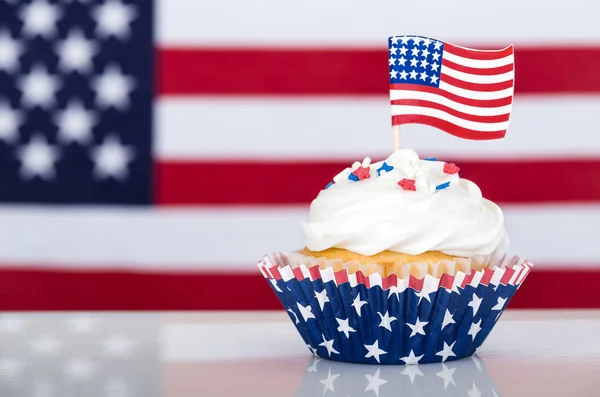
{"x": 375, "y": 214}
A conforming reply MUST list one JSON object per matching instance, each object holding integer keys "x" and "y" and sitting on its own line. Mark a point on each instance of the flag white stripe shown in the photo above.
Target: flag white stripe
{"x": 230, "y": 238}
{"x": 478, "y": 63}
{"x": 470, "y": 94}
{"x": 351, "y": 128}
{"x": 440, "y": 114}
{"x": 427, "y": 96}
{"x": 476, "y": 78}
{"x": 357, "y": 22}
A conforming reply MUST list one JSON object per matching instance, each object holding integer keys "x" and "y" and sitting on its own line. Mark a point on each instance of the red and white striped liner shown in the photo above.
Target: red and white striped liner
{"x": 511, "y": 270}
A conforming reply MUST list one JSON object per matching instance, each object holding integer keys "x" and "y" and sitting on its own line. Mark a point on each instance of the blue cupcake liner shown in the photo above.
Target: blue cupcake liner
{"x": 370, "y": 320}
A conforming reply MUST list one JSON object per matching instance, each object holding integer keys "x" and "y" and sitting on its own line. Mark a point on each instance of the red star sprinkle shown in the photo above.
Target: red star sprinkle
{"x": 408, "y": 184}
{"x": 451, "y": 168}
{"x": 362, "y": 173}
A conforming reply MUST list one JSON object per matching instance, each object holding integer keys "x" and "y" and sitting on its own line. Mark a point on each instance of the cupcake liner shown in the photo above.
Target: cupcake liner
{"x": 391, "y": 320}
{"x": 460, "y": 378}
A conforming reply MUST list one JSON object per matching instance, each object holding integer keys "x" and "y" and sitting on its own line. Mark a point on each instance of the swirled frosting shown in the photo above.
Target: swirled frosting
{"x": 375, "y": 213}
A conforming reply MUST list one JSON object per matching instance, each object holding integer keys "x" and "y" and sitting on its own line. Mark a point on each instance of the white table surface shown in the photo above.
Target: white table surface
{"x": 529, "y": 353}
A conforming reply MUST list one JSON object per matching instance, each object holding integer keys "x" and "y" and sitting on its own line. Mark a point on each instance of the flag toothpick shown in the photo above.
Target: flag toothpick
{"x": 396, "y": 138}
{"x": 465, "y": 92}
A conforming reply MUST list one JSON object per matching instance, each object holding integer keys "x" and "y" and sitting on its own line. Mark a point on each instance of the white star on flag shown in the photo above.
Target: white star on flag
{"x": 75, "y": 123}
{"x": 10, "y": 120}
{"x": 40, "y": 18}
{"x": 475, "y": 328}
{"x": 11, "y": 324}
{"x": 119, "y": 346}
{"x": 374, "y": 351}
{"x": 328, "y": 382}
{"x": 10, "y": 51}
{"x": 82, "y": 323}
{"x": 446, "y": 375}
{"x": 45, "y": 345}
{"x": 412, "y": 371}
{"x": 417, "y": 327}
{"x": 411, "y": 358}
{"x": 113, "y": 18}
{"x": 475, "y": 303}
{"x": 37, "y": 158}
{"x": 322, "y": 298}
{"x": 386, "y": 321}
{"x": 111, "y": 158}
{"x": 448, "y": 319}
{"x": 344, "y": 327}
{"x": 113, "y": 88}
{"x": 10, "y": 368}
{"x": 446, "y": 351}
{"x": 305, "y": 312}
{"x": 358, "y": 304}
{"x": 76, "y": 52}
{"x": 328, "y": 345}
{"x": 39, "y": 87}
{"x": 80, "y": 369}
{"x": 116, "y": 387}
{"x": 500, "y": 304}
{"x": 375, "y": 382}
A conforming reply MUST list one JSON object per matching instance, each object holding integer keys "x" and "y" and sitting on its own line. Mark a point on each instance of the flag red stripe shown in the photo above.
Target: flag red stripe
{"x": 467, "y": 116}
{"x": 510, "y": 181}
{"x": 479, "y": 55}
{"x": 484, "y": 72}
{"x": 29, "y": 290}
{"x": 476, "y": 86}
{"x": 488, "y": 103}
{"x": 447, "y": 126}
{"x": 243, "y": 71}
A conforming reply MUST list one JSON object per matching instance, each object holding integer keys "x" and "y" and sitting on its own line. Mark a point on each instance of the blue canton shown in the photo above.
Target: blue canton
{"x": 76, "y": 101}
{"x": 415, "y": 60}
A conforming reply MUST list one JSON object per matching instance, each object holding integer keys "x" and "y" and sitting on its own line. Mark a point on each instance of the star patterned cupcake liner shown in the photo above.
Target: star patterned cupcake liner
{"x": 374, "y": 320}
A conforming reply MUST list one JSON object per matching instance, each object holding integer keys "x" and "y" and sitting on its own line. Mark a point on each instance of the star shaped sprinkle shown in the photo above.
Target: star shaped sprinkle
{"x": 362, "y": 173}
{"x": 442, "y": 186}
{"x": 408, "y": 184}
{"x": 451, "y": 168}
{"x": 384, "y": 168}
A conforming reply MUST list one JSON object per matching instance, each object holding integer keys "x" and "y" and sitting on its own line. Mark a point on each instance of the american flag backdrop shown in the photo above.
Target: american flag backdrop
{"x": 152, "y": 151}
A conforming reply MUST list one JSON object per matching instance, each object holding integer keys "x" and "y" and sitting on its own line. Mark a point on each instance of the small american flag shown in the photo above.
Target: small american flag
{"x": 467, "y": 93}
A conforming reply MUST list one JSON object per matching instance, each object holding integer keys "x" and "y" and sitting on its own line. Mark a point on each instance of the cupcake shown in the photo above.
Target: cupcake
{"x": 404, "y": 263}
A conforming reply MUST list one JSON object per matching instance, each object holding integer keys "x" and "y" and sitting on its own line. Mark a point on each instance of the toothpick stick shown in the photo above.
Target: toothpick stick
{"x": 396, "y": 137}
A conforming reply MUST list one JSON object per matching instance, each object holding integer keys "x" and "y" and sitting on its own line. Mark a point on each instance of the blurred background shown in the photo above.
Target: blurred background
{"x": 152, "y": 151}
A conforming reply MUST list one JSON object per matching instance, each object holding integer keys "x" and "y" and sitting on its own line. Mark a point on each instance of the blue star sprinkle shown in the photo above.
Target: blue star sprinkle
{"x": 430, "y": 159}
{"x": 384, "y": 167}
{"x": 442, "y": 186}
{"x": 353, "y": 177}
{"x": 328, "y": 185}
